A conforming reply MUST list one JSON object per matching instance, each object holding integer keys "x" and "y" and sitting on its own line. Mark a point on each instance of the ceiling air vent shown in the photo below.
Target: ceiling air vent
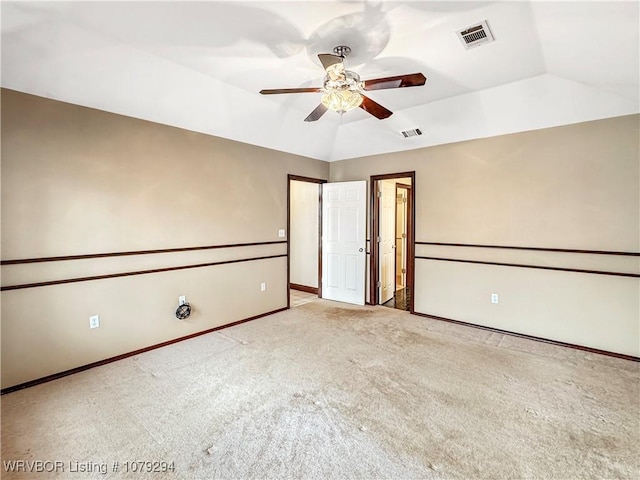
{"x": 475, "y": 35}
{"x": 411, "y": 133}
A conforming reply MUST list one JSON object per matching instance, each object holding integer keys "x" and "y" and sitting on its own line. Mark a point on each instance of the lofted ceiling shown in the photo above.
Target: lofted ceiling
{"x": 200, "y": 66}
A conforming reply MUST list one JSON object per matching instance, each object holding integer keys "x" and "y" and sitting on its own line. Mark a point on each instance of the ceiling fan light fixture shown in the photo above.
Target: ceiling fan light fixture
{"x": 341, "y": 100}
{"x": 342, "y": 89}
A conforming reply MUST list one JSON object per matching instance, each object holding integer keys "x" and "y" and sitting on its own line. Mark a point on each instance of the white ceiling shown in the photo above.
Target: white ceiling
{"x": 200, "y": 66}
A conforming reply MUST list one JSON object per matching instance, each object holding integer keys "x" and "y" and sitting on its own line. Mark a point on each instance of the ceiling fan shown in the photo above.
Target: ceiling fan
{"x": 343, "y": 91}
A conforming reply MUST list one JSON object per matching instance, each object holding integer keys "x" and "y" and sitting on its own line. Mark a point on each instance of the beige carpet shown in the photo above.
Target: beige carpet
{"x": 330, "y": 391}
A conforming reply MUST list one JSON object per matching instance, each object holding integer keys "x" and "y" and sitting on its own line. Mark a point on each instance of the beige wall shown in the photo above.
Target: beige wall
{"x": 81, "y": 181}
{"x": 572, "y": 187}
{"x": 304, "y": 233}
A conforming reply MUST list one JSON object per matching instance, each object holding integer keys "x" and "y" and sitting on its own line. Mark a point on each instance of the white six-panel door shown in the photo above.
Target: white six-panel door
{"x": 344, "y": 209}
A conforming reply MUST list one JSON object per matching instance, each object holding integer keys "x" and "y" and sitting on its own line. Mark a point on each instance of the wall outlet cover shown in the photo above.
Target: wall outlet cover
{"x": 94, "y": 321}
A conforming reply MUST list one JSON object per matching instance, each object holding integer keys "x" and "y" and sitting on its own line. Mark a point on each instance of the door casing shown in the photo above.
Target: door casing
{"x": 374, "y": 230}
{"x": 309, "y": 180}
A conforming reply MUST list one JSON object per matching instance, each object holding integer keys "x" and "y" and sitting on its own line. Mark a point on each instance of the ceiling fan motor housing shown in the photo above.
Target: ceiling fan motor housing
{"x": 347, "y": 80}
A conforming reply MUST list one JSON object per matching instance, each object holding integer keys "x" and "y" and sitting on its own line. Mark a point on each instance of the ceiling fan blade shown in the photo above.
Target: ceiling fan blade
{"x": 375, "y": 108}
{"x": 411, "y": 80}
{"x": 290, "y": 90}
{"x": 316, "y": 114}
{"x": 328, "y": 59}
{"x": 334, "y": 66}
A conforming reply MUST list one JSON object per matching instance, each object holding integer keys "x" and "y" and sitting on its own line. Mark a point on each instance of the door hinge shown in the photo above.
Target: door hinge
{"x": 404, "y": 199}
{"x": 379, "y": 239}
{"x": 379, "y": 284}
{"x": 404, "y": 270}
{"x": 379, "y": 194}
{"x": 404, "y": 235}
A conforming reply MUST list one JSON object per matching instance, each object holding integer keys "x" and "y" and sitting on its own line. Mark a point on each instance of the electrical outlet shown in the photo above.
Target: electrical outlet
{"x": 494, "y": 298}
{"x": 281, "y": 233}
{"x": 94, "y": 321}
{"x": 182, "y": 299}
{"x": 263, "y": 287}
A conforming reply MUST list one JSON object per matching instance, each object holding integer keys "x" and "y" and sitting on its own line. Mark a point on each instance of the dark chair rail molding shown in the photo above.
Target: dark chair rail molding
{"x": 136, "y": 252}
{"x": 252, "y": 244}
{"x": 538, "y": 249}
{"x": 139, "y": 272}
{"x": 561, "y": 269}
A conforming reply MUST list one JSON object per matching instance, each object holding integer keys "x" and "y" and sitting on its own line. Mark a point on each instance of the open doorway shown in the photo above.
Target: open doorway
{"x": 392, "y": 227}
{"x": 304, "y": 239}
{"x": 327, "y": 239}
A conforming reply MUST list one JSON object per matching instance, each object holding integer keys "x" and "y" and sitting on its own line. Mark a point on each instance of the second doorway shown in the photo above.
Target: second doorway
{"x": 392, "y": 226}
